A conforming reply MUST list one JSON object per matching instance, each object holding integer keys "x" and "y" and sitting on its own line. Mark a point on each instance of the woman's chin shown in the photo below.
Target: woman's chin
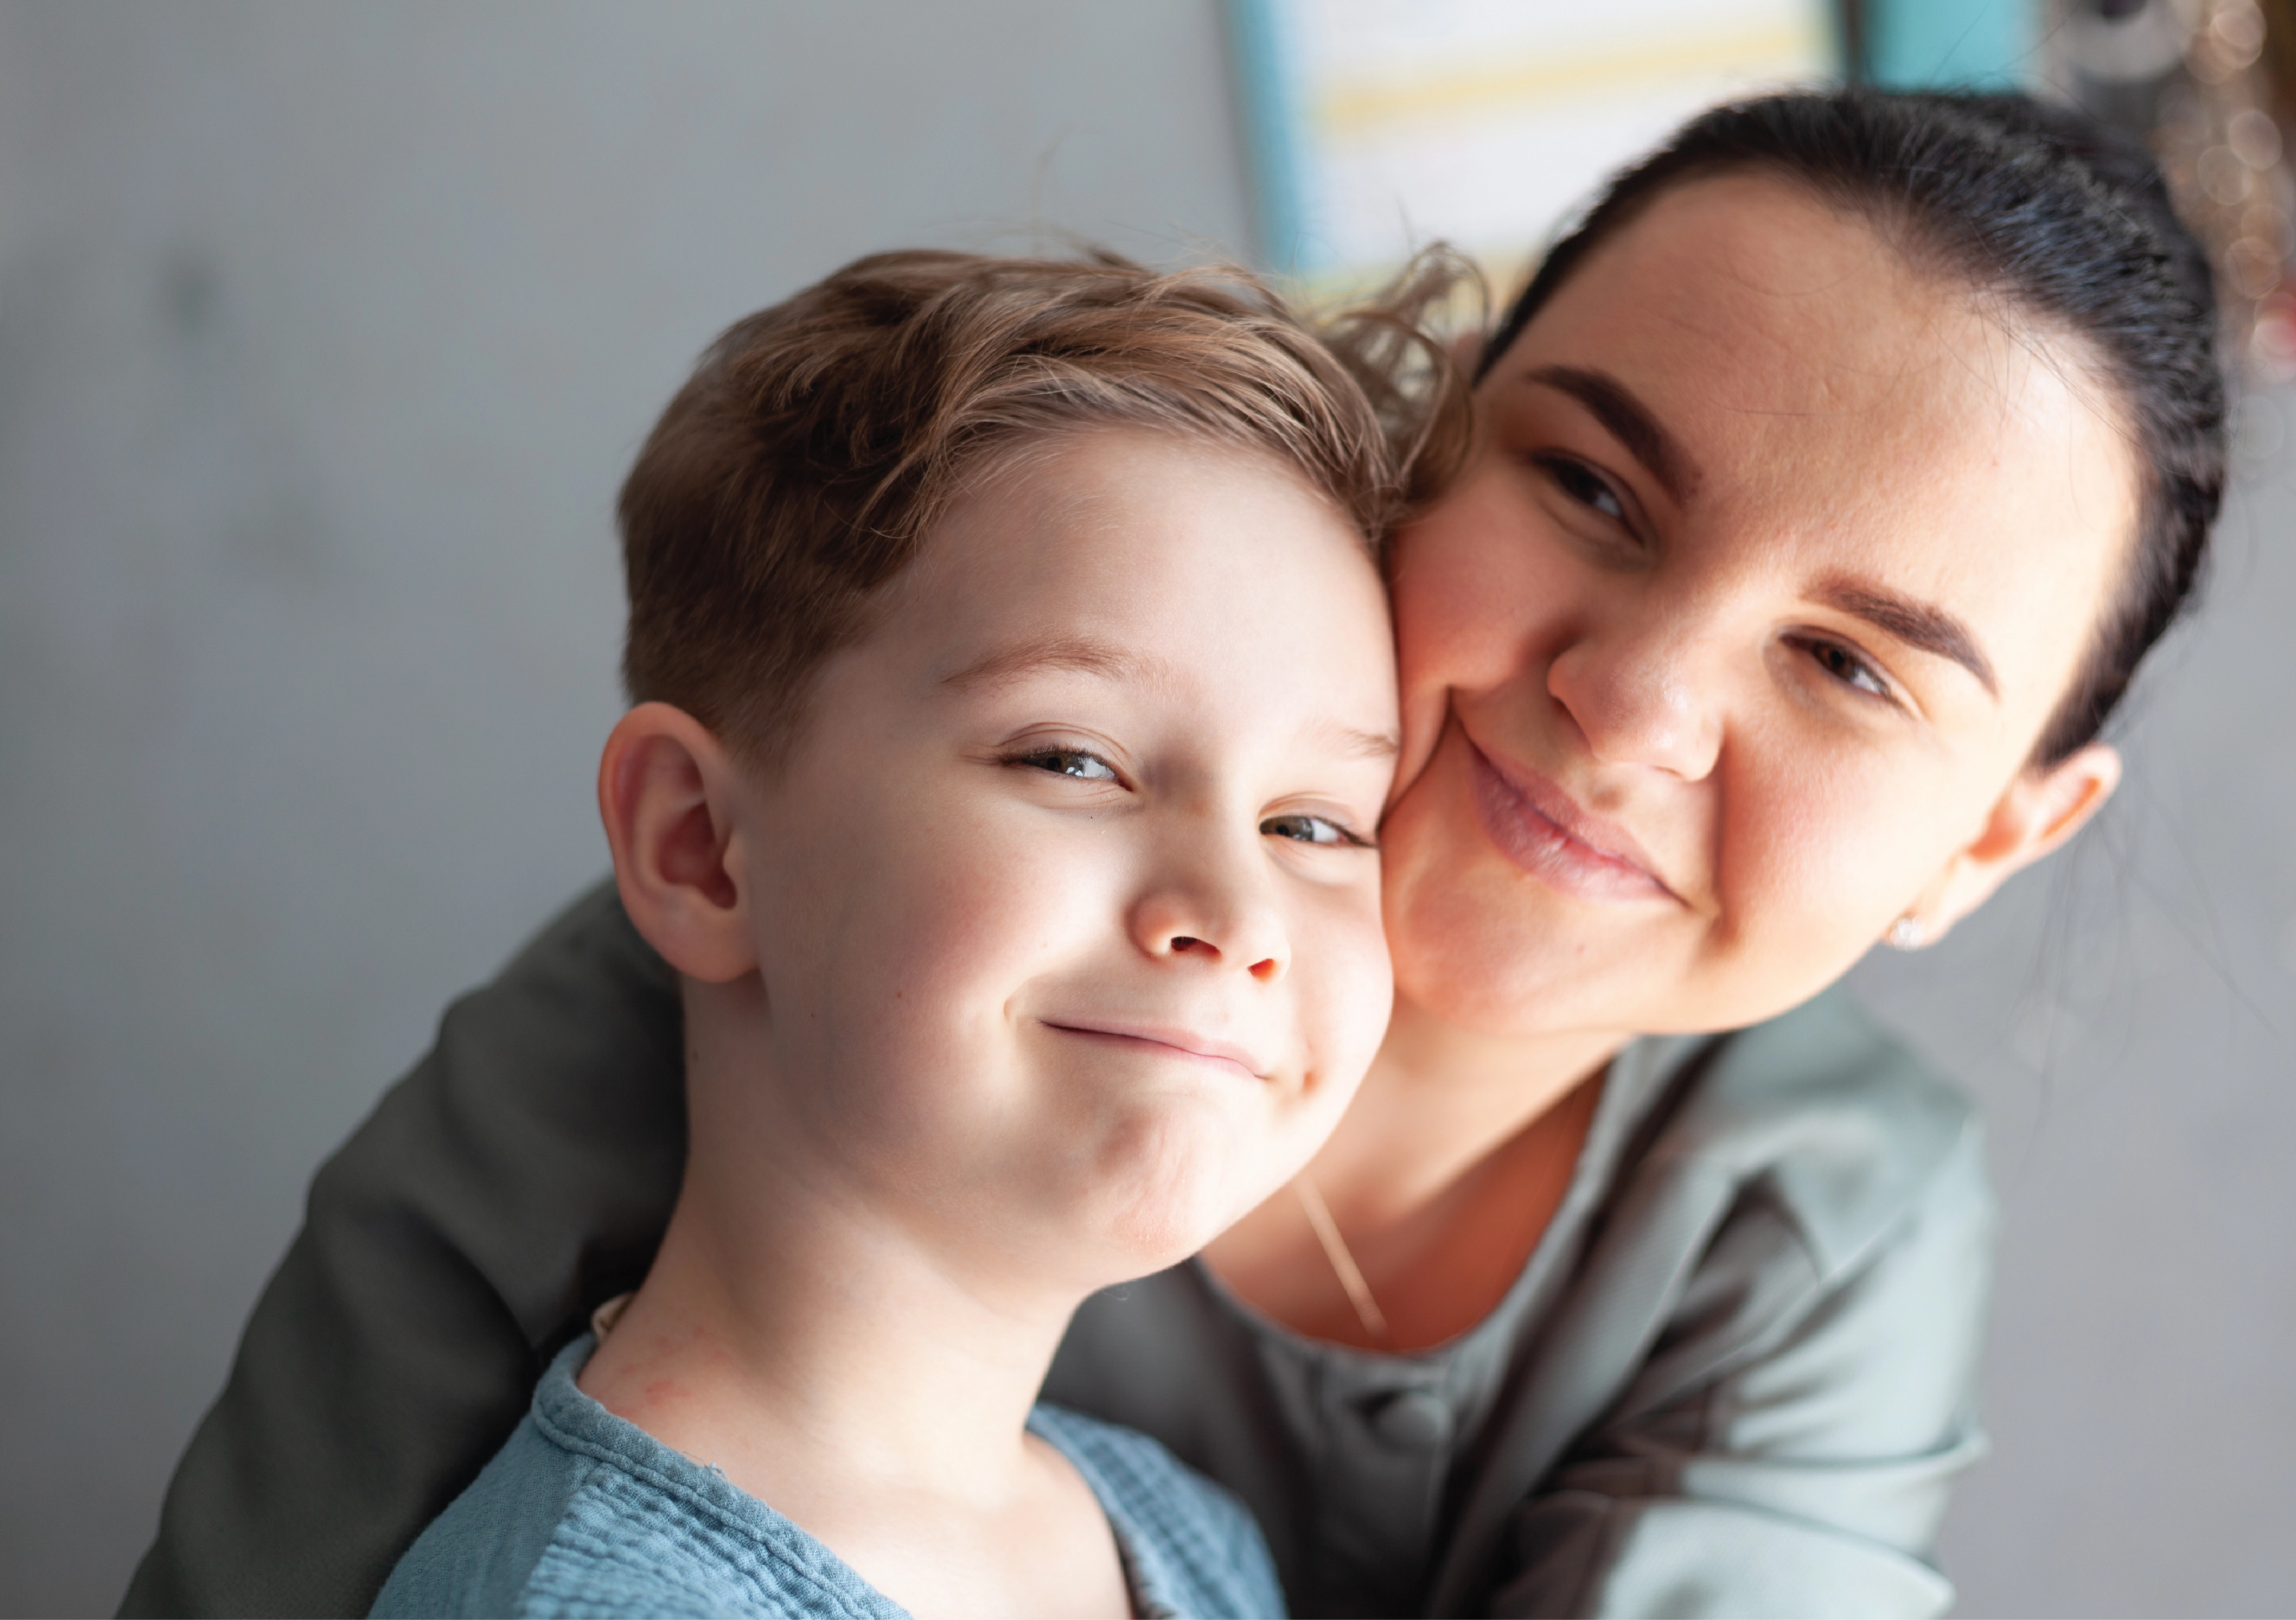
{"x": 1485, "y": 949}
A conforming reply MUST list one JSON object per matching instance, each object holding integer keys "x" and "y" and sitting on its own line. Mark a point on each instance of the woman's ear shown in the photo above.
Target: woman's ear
{"x": 667, "y": 792}
{"x": 2044, "y": 806}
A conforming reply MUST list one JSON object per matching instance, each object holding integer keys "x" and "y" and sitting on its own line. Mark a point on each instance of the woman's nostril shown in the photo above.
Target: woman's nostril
{"x": 1182, "y": 942}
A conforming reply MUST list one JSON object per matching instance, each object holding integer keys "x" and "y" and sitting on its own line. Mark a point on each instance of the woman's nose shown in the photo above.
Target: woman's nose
{"x": 1216, "y": 911}
{"x": 1639, "y": 700}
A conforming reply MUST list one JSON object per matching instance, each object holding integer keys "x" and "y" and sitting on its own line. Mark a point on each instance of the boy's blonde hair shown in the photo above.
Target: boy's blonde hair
{"x": 793, "y": 475}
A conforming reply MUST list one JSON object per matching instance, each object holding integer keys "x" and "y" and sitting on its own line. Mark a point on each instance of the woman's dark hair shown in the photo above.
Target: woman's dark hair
{"x": 2068, "y": 224}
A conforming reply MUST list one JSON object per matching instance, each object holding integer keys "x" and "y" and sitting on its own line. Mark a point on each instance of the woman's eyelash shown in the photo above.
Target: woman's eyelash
{"x": 1582, "y": 484}
{"x": 1849, "y": 668}
{"x": 1079, "y": 765}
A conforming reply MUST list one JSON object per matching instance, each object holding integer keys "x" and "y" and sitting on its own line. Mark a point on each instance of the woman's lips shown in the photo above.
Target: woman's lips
{"x": 1537, "y": 826}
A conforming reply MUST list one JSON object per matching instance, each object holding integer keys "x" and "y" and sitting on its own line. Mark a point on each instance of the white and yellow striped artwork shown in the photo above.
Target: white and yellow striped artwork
{"x": 1377, "y": 126}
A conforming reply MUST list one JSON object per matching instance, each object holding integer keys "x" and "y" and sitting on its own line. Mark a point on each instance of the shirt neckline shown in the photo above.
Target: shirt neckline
{"x": 569, "y": 1417}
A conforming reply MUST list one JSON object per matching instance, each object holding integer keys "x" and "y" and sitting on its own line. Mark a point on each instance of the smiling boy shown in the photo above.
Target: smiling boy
{"x": 1014, "y": 707}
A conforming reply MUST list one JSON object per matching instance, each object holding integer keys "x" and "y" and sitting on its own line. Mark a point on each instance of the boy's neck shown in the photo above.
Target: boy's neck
{"x": 799, "y": 1344}
{"x": 812, "y": 1345}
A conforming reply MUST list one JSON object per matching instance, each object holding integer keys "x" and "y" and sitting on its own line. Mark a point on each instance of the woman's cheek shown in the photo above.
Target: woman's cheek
{"x": 1465, "y": 581}
{"x": 1835, "y": 850}
{"x": 1435, "y": 636}
{"x": 1467, "y": 942}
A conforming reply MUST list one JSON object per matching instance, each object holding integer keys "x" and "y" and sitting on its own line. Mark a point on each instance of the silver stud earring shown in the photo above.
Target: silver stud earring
{"x": 1905, "y": 933}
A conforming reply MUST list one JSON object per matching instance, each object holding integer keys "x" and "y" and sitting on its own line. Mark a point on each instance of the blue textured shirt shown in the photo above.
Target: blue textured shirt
{"x": 584, "y": 1513}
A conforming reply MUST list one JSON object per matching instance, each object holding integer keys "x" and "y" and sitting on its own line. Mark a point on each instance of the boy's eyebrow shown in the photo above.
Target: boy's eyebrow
{"x": 1361, "y": 744}
{"x": 1089, "y": 656}
{"x": 1082, "y": 654}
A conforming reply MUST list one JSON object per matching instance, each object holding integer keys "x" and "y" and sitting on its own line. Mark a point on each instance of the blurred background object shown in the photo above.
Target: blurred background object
{"x": 1916, "y": 44}
{"x": 2207, "y": 82}
{"x": 1375, "y": 127}
{"x": 326, "y": 333}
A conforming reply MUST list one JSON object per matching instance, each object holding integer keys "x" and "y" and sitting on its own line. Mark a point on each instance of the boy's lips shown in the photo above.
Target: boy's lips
{"x": 1176, "y": 1041}
{"x": 1540, "y": 828}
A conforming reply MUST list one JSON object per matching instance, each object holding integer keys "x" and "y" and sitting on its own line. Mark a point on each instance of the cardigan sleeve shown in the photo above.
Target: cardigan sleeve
{"x": 522, "y": 1171}
{"x": 1803, "y": 1468}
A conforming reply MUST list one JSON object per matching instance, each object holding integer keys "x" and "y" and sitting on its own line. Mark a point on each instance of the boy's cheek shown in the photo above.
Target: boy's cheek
{"x": 941, "y": 929}
{"x": 1347, "y": 991}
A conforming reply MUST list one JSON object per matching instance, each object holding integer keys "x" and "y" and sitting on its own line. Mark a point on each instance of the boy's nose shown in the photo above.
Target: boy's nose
{"x": 1219, "y": 924}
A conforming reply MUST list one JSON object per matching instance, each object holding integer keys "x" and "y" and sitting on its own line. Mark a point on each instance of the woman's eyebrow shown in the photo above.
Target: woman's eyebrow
{"x": 1917, "y": 624}
{"x": 1629, "y": 420}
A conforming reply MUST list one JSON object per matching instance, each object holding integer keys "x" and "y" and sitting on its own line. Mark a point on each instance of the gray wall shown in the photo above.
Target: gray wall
{"x": 2123, "y": 1014}
{"x": 324, "y": 336}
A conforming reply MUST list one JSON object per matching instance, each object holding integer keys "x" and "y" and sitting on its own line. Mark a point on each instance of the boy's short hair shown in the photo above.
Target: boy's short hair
{"x": 791, "y": 478}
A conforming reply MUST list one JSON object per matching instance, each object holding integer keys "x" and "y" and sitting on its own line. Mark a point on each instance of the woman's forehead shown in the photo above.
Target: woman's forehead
{"x": 1752, "y": 322}
{"x": 1756, "y": 296}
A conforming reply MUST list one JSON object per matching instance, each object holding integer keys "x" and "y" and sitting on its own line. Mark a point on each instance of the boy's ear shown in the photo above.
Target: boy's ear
{"x": 2043, "y": 807}
{"x": 666, "y": 794}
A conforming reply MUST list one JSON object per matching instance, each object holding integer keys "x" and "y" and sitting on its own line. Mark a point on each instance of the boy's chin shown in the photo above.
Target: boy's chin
{"x": 1154, "y": 1207}
{"x": 1148, "y": 1237}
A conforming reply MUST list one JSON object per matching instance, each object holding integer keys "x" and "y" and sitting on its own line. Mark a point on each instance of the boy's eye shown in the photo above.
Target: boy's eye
{"x": 1069, "y": 762}
{"x": 1307, "y": 829}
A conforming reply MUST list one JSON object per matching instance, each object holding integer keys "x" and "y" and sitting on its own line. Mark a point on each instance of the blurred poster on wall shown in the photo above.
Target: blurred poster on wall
{"x": 1377, "y": 126}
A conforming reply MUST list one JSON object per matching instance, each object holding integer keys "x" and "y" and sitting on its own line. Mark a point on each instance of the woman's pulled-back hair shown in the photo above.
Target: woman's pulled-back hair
{"x": 794, "y": 475}
{"x": 2063, "y": 222}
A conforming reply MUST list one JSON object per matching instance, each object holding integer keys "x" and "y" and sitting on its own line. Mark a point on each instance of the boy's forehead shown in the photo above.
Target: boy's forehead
{"x": 1087, "y": 499}
{"x": 1132, "y": 560}
{"x": 1074, "y": 653}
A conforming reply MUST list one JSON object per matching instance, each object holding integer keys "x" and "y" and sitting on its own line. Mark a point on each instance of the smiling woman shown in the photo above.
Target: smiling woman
{"x": 1831, "y": 479}
{"x": 1803, "y": 553}
{"x": 1783, "y": 583}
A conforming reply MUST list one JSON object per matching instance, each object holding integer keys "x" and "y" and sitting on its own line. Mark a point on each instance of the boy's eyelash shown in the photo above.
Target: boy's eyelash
{"x": 1349, "y": 837}
{"x": 1052, "y": 760}
{"x": 1044, "y": 759}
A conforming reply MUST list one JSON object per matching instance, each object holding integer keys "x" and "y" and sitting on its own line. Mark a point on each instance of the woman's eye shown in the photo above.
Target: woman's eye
{"x": 1847, "y": 667}
{"x": 1582, "y": 484}
{"x": 1307, "y": 829}
{"x": 1069, "y": 762}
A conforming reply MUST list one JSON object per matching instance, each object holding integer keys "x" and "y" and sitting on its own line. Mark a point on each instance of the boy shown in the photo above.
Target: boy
{"x": 1014, "y": 707}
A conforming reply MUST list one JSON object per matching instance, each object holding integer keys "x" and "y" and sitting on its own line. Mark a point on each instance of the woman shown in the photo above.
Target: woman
{"x": 1835, "y": 476}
